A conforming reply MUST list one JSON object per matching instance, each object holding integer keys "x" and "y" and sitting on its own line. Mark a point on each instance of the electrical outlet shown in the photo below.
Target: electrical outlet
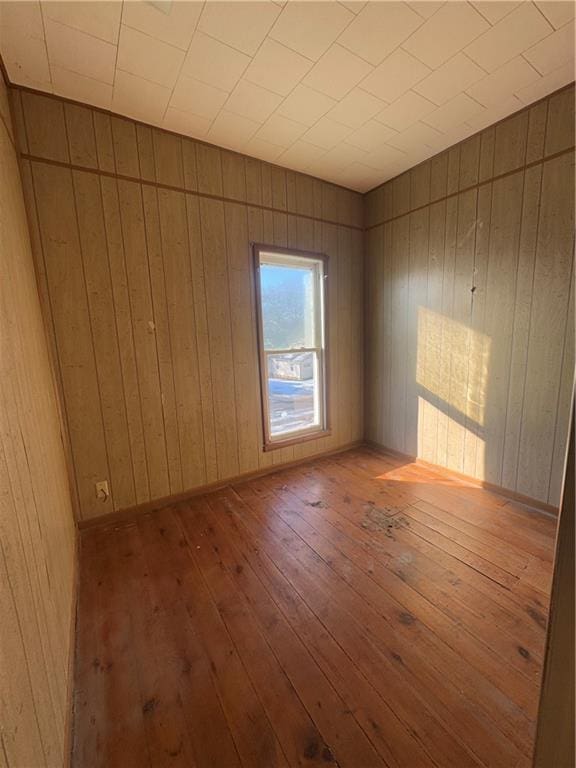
{"x": 102, "y": 491}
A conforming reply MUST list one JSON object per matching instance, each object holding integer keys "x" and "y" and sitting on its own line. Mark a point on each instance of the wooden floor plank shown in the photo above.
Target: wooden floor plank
{"x": 360, "y": 699}
{"x": 427, "y": 667}
{"x": 358, "y": 610}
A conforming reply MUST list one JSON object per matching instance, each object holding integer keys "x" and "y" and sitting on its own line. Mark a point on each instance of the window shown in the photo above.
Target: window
{"x": 292, "y": 338}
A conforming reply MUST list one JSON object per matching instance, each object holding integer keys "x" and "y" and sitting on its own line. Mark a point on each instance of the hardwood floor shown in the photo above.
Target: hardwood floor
{"x": 354, "y": 611}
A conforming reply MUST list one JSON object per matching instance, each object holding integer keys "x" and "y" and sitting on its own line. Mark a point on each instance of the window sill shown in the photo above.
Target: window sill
{"x": 302, "y": 438}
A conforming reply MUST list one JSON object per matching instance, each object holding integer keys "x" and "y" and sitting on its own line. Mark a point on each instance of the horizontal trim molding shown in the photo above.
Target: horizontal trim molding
{"x": 478, "y": 185}
{"x": 183, "y": 190}
{"x": 126, "y": 515}
{"x": 540, "y": 506}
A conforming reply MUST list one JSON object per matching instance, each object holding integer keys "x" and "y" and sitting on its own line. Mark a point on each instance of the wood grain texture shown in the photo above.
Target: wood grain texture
{"x": 470, "y": 304}
{"x": 555, "y": 732}
{"x": 149, "y": 292}
{"x": 37, "y": 532}
{"x": 357, "y": 610}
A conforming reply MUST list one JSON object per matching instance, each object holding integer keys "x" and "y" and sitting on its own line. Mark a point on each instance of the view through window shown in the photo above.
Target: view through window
{"x": 292, "y": 343}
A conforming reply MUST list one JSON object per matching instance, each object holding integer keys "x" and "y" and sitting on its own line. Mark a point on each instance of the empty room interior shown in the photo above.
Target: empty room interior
{"x": 287, "y": 354}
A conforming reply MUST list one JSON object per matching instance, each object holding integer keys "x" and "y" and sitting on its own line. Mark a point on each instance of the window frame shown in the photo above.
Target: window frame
{"x": 311, "y": 433}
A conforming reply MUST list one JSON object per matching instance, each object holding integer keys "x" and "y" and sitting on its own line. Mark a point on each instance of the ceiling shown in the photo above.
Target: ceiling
{"x": 351, "y": 92}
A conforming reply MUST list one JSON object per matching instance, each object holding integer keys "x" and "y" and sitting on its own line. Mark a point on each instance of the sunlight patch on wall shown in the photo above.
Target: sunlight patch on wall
{"x": 452, "y": 368}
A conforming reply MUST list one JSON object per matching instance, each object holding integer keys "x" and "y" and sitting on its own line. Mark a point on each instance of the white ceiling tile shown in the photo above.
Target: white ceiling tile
{"x": 25, "y": 58}
{"x": 493, "y": 115}
{"x": 230, "y": 130}
{"x": 301, "y": 154}
{"x": 356, "y": 108}
{"x": 263, "y": 150}
{"x": 547, "y": 84}
{"x": 517, "y": 31}
{"x": 100, "y": 19}
{"x": 295, "y": 83}
{"x": 412, "y": 138}
{"x": 310, "y": 28}
{"x": 326, "y": 133}
{"x": 243, "y": 25}
{"x": 326, "y": 166}
{"x": 186, "y": 122}
{"x": 494, "y": 10}
{"x": 25, "y": 18}
{"x": 147, "y": 57}
{"x": 305, "y": 105}
{"x": 344, "y": 154}
{"x": 444, "y": 34}
{"x": 175, "y": 27}
{"x": 558, "y": 12}
{"x": 80, "y": 88}
{"x": 337, "y": 72}
{"x": 191, "y": 95}
{"x": 503, "y": 83}
{"x": 384, "y": 156}
{"x": 554, "y": 51}
{"x": 74, "y": 50}
{"x": 399, "y": 72}
{"x": 405, "y": 111}
{"x": 379, "y": 29}
{"x": 370, "y": 136}
{"x": 354, "y": 5}
{"x": 450, "y": 79}
{"x": 277, "y": 68}
{"x": 139, "y": 98}
{"x": 458, "y": 110}
{"x": 426, "y": 8}
{"x": 214, "y": 63}
{"x": 359, "y": 176}
{"x": 252, "y": 101}
{"x": 280, "y": 130}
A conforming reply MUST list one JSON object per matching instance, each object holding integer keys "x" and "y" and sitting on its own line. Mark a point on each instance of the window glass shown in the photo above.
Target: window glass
{"x": 291, "y": 334}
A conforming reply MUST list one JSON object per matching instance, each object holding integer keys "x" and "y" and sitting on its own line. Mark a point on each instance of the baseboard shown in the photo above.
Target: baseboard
{"x": 541, "y": 506}
{"x": 69, "y": 724}
{"x": 127, "y": 514}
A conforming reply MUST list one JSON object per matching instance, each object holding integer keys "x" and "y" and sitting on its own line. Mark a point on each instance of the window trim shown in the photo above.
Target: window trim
{"x": 311, "y": 433}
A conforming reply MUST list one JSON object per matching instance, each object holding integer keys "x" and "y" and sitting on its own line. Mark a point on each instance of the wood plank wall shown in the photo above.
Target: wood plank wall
{"x": 37, "y": 530}
{"x": 470, "y": 303}
{"x": 142, "y": 241}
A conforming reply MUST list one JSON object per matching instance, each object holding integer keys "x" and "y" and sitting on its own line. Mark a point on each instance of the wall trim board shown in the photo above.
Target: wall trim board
{"x": 554, "y": 740}
{"x": 478, "y": 185}
{"x": 101, "y": 110}
{"x": 126, "y": 515}
{"x": 541, "y": 507}
{"x": 185, "y": 190}
{"x": 520, "y": 111}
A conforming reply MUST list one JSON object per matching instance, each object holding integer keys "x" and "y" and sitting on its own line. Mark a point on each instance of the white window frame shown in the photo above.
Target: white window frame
{"x": 291, "y": 257}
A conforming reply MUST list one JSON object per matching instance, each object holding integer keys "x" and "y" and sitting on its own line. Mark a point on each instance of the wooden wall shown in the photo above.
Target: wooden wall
{"x": 470, "y": 303}
{"x": 555, "y": 732}
{"x": 142, "y": 241}
{"x": 37, "y": 532}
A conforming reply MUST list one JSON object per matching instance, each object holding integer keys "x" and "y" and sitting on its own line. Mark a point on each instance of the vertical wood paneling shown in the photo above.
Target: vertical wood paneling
{"x": 182, "y": 325}
{"x": 61, "y": 245}
{"x": 124, "y": 330}
{"x": 103, "y": 328}
{"x": 143, "y": 328}
{"x": 552, "y": 276}
{"x": 168, "y": 305}
{"x": 37, "y": 533}
{"x": 478, "y": 308}
{"x": 162, "y": 332}
{"x": 220, "y": 335}
{"x": 202, "y": 342}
